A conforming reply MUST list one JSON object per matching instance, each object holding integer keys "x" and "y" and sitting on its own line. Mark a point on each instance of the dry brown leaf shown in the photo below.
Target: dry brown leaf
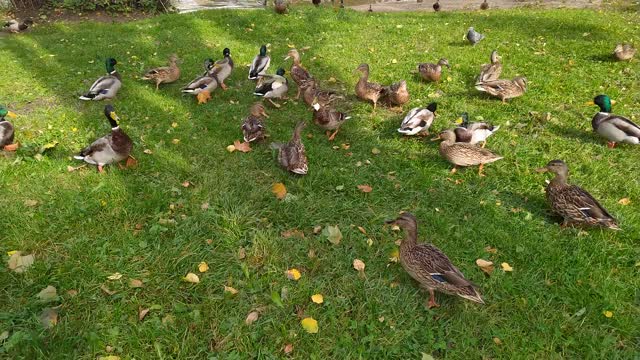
{"x": 288, "y": 348}
{"x": 243, "y": 147}
{"x": 203, "y": 267}
{"x": 292, "y": 233}
{"x": 72, "y": 293}
{"x": 497, "y": 341}
{"x": 230, "y": 290}
{"x": 47, "y": 294}
{"x": 131, "y": 162}
{"x": 252, "y": 317}
{"x": 317, "y": 229}
{"x": 148, "y": 151}
{"x": 49, "y": 317}
{"x": 19, "y": 263}
{"x": 11, "y": 147}
{"x": 362, "y": 230}
{"x": 107, "y": 290}
{"x": 242, "y": 253}
{"x": 491, "y": 250}
{"x": 186, "y": 184}
{"x": 142, "y": 313}
{"x": 365, "y": 188}
{"x": 279, "y": 190}
{"x": 203, "y": 97}
{"x": 135, "y": 283}
{"x": 358, "y": 265}
{"x": 191, "y": 278}
{"x": 624, "y": 201}
{"x": 30, "y": 203}
{"x": 486, "y": 266}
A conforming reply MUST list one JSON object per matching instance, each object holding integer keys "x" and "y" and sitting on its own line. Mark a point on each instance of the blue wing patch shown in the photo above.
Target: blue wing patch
{"x": 438, "y": 278}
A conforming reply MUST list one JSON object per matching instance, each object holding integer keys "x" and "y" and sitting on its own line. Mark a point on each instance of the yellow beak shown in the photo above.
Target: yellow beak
{"x": 287, "y": 58}
{"x": 613, "y": 102}
{"x": 11, "y": 115}
{"x": 459, "y": 121}
{"x": 589, "y": 103}
{"x": 114, "y": 116}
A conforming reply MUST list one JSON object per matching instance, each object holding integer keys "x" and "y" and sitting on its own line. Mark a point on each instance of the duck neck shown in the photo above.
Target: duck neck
{"x": 410, "y": 237}
{"x": 560, "y": 179}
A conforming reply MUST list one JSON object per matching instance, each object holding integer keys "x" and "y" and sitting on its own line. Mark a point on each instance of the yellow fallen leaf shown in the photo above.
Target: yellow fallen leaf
{"x": 317, "y": 298}
{"x": 191, "y": 278}
{"x": 395, "y": 255}
{"x": 279, "y": 190}
{"x": 624, "y": 201}
{"x": 293, "y": 274}
{"x": 252, "y": 317}
{"x": 109, "y": 357}
{"x": 506, "y": 267}
{"x": 497, "y": 341}
{"x": 362, "y": 230}
{"x": 10, "y": 253}
{"x": 394, "y": 61}
{"x": 231, "y": 148}
{"x": 203, "y": 267}
{"x": 175, "y": 141}
{"x": 608, "y": 314}
{"x": 115, "y": 276}
{"x": 142, "y": 313}
{"x": 486, "y": 266}
{"x": 203, "y": 97}
{"x": 49, "y": 317}
{"x": 310, "y": 325}
{"x": 174, "y": 125}
{"x": 243, "y": 147}
{"x": 230, "y": 290}
{"x": 358, "y": 264}
{"x": 19, "y": 263}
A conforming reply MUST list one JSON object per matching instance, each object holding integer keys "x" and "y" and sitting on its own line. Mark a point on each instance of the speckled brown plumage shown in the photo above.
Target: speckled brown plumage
{"x": 624, "y": 52}
{"x": 312, "y": 92}
{"x": 504, "y": 89}
{"x": 253, "y": 125}
{"x": 432, "y": 72}
{"x": 463, "y": 154}
{"x": 164, "y": 74}
{"x": 298, "y": 73}
{"x": 396, "y": 93}
{"x": 292, "y": 155}
{"x": 366, "y": 90}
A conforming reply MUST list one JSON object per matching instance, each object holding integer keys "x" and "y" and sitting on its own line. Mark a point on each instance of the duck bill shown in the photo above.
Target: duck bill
{"x": 390, "y": 222}
{"x": 264, "y": 113}
{"x": 542, "y": 170}
{"x": 589, "y": 103}
{"x": 12, "y": 115}
{"x": 287, "y": 57}
{"x": 114, "y": 116}
{"x": 436, "y": 138}
{"x": 613, "y": 102}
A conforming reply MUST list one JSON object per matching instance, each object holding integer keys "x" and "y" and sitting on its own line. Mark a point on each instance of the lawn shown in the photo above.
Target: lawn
{"x": 142, "y": 223}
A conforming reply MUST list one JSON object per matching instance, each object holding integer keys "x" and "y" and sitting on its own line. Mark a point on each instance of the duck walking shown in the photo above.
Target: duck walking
{"x": 328, "y": 118}
{"x": 298, "y": 73}
{"x": 222, "y": 68}
{"x": 491, "y": 71}
{"x": 366, "y": 90}
{"x": 292, "y": 155}
{"x": 430, "y": 267}
{"x": 6, "y": 129}
{"x": 260, "y": 64}
{"x": 463, "y": 154}
{"x": 475, "y": 132}
{"x": 253, "y": 125}
{"x": 418, "y": 120}
{"x": 433, "y": 72}
{"x": 164, "y": 74}
{"x": 106, "y": 87}
{"x": 504, "y": 89}
{"x": 615, "y": 128}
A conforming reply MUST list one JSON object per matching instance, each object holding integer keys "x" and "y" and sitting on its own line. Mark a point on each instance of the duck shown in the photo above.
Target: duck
{"x": 109, "y": 149}
{"x": 292, "y": 155}
{"x": 328, "y": 118}
{"x": 316, "y": 2}
{"x": 203, "y": 85}
{"x": 433, "y": 72}
{"x": 280, "y": 6}
{"x": 418, "y": 120}
{"x": 366, "y": 90}
{"x": 396, "y": 93}
{"x": 624, "y": 52}
{"x": 504, "y": 89}
{"x": 463, "y": 154}
{"x": 298, "y": 73}
{"x": 574, "y": 204}
{"x": 273, "y": 87}
{"x": 431, "y": 267}
{"x": 615, "y": 128}
{"x": 164, "y": 74}
{"x": 312, "y": 93}
{"x": 106, "y": 87}
{"x": 475, "y": 132}
{"x": 253, "y": 125}
{"x": 473, "y": 36}
{"x": 6, "y": 129}
{"x": 484, "y": 5}
{"x": 436, "y": 6}
{"x": 222, "y": 68}
{"x": 14, "y": 26}
{"x": 491, "y": 71}
{"x": 260, "y": 64}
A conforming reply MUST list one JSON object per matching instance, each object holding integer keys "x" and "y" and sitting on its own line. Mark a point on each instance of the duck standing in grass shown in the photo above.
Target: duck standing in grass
{"x": 298, "y": 73}
{"x": 164, "y": 74}
{"x": 312, "y": 93}
{"x": 260, "y": 64}
{"x": 14, "y": 26}
{"x": 109, "y": 149}
{"x": 203, "y": 85}
{"x": 292, "y": 155}
{"x": 253, "y": 125}
{"x": 463, "y": 154}
{"x": 106, "y": 87}
{"x": 396, "y": 93}
{"x": 615, "y": 128}
{"x": 418, "y": 120}
{"x": 280, "y": 6}
{"x": 6, "y": 129}
{"x": 624, "y": 52}
{"x": 475, "y": 132}
{"x": 273, "y": 87}
{"x": 430, "y": 266}
{"x": 491, "y": 71}
{"x": 473, "y": 36}
{"x": 366, "y": 90}
{"x": 433, "y": 72}
{"x": 504, "y": 89}
{"x": 328, "y": 118}
{"x": 222, "y": 68}
{"x": 573, "y": 203}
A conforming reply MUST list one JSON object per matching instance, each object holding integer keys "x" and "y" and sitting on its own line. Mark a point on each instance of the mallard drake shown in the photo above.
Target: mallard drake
{"x": 14, "y": 26}
{"x": 624, "y": 52}
{"x": 298, "y": 73}
{"x": 418, "y": 120}
{"x": 474, "y": 132}
{"x": 203, "y": 85}
{"x": 106, "y": 87}
{"x": 328, "y": 118}
{"x": 463, "y": 154}
{"x": 573, "y": 203}
{"x": 164, "y": 74}
{"x": 436, "y": 6}
{"x": 253, "y": 125}
{"x": 492, "y": 71}
{"x": 260, "y": 64}
{"x": 109, "y": 149}
{"x": 430, "y": 267}
{"x": 6, "y": 128}
{"x": 433, "y": 72}
{"x": 273, "y": 87}
{"x": 396, "y": 93}
{"x": 312, "y": 93}
{"x": 280, "y": 6}
{"x": 612, "y": 127}
{"x": 222, "y": 68}
{"x": 292, "y": 155}
{"x": 504, "y": 89}
{"x": 473, "y": 36}
{"x": 366, "y": 90}
{"x": 484, "y": 5}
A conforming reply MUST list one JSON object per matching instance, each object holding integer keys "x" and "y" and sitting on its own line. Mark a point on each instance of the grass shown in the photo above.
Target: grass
{"x": 143, "y": 224}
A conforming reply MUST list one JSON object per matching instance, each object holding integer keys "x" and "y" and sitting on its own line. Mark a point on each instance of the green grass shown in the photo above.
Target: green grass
{"x": 83, "y": 227}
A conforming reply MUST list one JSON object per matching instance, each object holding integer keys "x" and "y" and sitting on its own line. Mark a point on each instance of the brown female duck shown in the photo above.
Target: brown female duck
{"x": 463, "y": 154}
{"x": 253, "y": 125}
{"x": 433, "y": 72}
{"x": 366, "y": 90}
{"x": 328, "y": 118}
{"x": 164, "y": 74}
{"x": 298, "y": 73}
{"x": 292, "y": 155}
{"x": 624, "y": 52}
{"x": 396, "y": 93}
{"x": 504, "y": 89}
{"x": 491, "y": 71}
{"x": 312, "y": 93}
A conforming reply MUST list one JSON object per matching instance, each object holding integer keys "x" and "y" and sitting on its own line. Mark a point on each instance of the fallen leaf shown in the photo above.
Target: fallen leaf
{"x": 115, "y": 276}
{"x": 242, "y": 253}
{"x": 191, "y": 278}
{"x": 72, "y": 293}
{"x": 288, "y": 348}
{"x": 362, "y": 230}
{"x": 491, "y": 250}
{"x": 365, "y": 188}
{"x": 252, "y": 317}
{"x": 506, "y": 267}
{"x": 292, "y": 233}
{"x": 395, "y": 255}
{"x": 244, "y": 147}
{"x": 19, "y": 263}
{"x": 332, "y": 233}
{"x": 317, "y": 298}
{"x": 131, "y": 162}
{"x": 49, "y": 318}
{"x": 186, "y": 184}
{"x": 11, "y": 147}
{"x": 486, "y": 266}
{"x": 624, "y": 201}
{"x": 375, "y": 151}
{"x": 317, "y": 229}
{"x": 203, "y": 267}
{"x": 230, "y": 290}
{"x": 231, "y": 148}
{"x": 148, "y": 151}
{"x": 4, "y": 336}
{"x": 174, "y": 125}
{"x": 107, "y": 290}
{"x": 47, "y": 294}
{"x": 142, "y": 313}
{"x": 358, "y": 264}
{"x": 203, "y": 97}
{"x": 279, "y": 190}
{"x": 135, "y": 283}
{"x": 293, "y": 274}
{"x": 394, "y": 61}
{"x": 608, "y": 314}
{"x": 109, "y": 357}
{"x": 497, "y": 341}
{"x": 175, "y": 141}
{"x": 30, "y": 203}
{"x": 310, "y": 325}
{"x": 426, "y": 356}
{"x": 204, "y": 206}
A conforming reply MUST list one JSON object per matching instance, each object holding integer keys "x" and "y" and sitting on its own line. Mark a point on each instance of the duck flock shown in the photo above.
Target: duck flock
{"x": 460, "y": 146}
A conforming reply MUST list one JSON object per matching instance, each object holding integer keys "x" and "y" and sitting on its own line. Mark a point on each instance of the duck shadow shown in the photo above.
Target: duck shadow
{"x": 602, "y": 58}
{"x": 537, "y": 206}
{"x": 572, "y": 132}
